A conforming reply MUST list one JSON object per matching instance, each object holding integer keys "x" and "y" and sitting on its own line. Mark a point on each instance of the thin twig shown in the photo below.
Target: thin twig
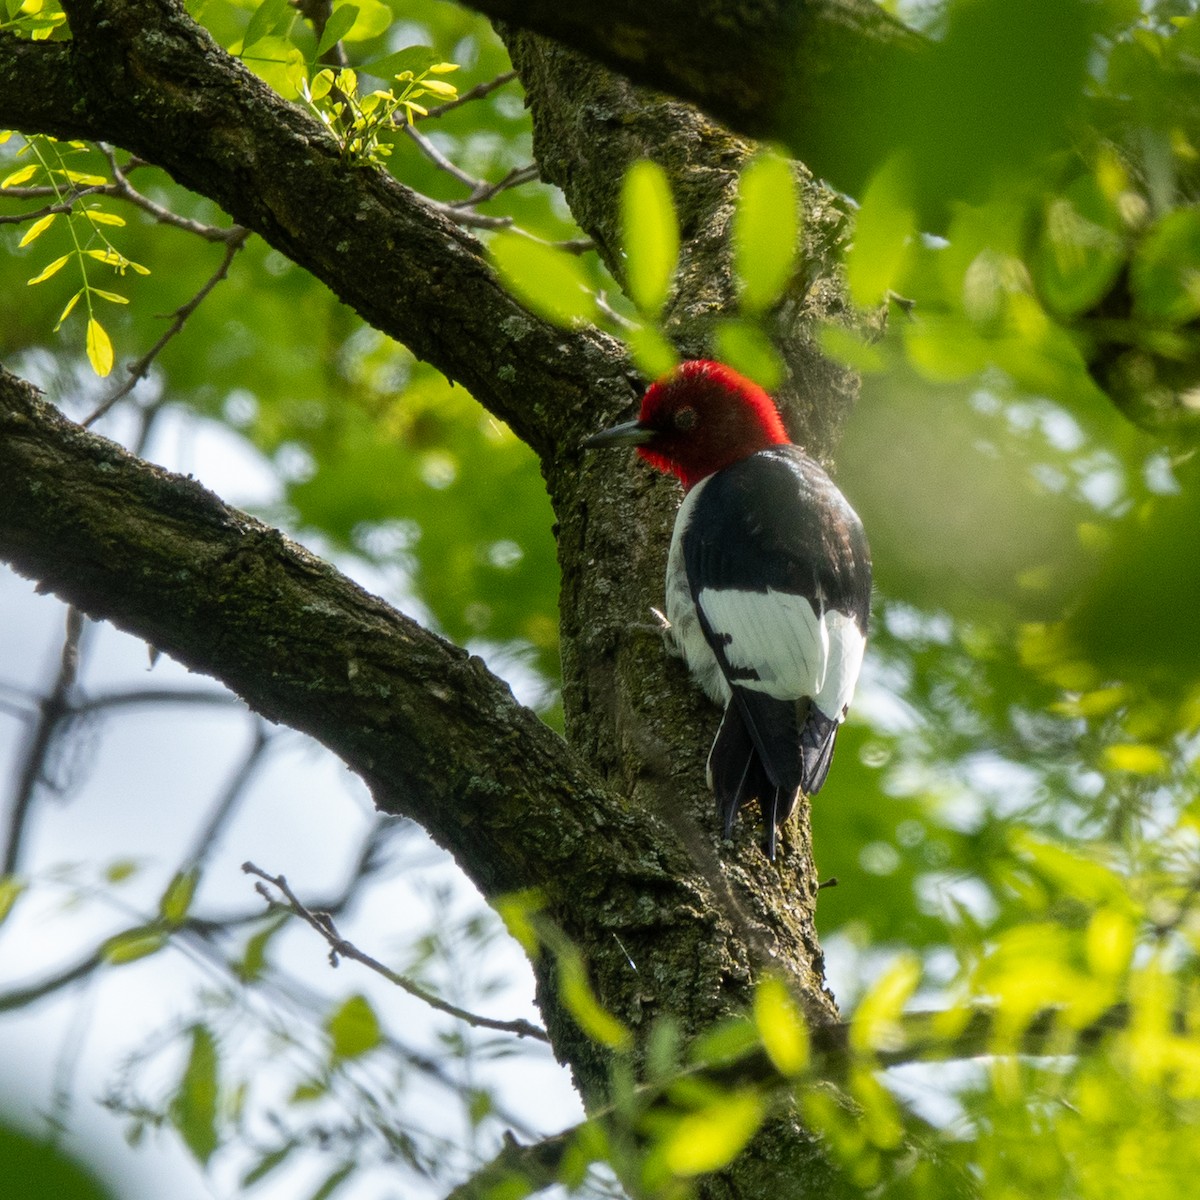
{"x": 53, "y": 710}
{"x": 440, "y": 161}
{"x": 122, "y": 188}
{"x": 340, "y": 948}
{"x": 487, "y": 191}
{"x": 476, "y": 93}
{"x": 139, "y": 369}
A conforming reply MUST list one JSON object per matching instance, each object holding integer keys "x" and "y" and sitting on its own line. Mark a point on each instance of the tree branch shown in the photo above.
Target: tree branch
{"x": 339, "y": 948}
{"x": 430, "y": 730}
{"x": 823, "y": 77}
{"x": 142, "y": 75}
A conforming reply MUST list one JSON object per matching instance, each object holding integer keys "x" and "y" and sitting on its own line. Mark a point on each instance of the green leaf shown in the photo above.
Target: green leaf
{"x": 99, "y": 348}
{"x": 884, "y": 233}
{"x": 548, "y": 281}
{"x": 714, "y": 1136}
{"x": 339, "y": 24}
{"x": 267, "y": 1163}
{"x": 745, "y": 347}
{"x": 309, "y": 1090}
{"x": 725, "y": 1043}
{"x": 133, "y": 944}
{"x": 1081, "y": 249}
{"x": 517, "y": 910}
{"x": 176, "y": 901}
{"x": 254, "y": 959}
{"x": 652, "y": 352}
{"x": 353, "y": 1028}
{"x": 412, "y": 59}
{"x": 650, "y": 231}
{"x": 120, "y": 869}
{"x": 850, "y": 348}
{"x": 374, "y": 18}
{"x": 333, "y": 1182}
{"x": 263, "y": 22}
{"x": 781, "y": 1026}
{"x": 874, "y": 1025}
{"x": 1166, "y": 270}
{"x": 37, "y": 229}
{"x": 194, "y": 1108}
{"x": 765, "y": 231}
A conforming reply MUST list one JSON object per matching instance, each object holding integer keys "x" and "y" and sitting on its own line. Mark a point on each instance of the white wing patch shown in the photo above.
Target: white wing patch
{"x": 778, "y": 637}
{"x": 681, "y": 611}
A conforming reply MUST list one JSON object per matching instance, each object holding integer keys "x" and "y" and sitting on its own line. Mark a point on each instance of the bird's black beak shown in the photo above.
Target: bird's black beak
{"x": 631, "y": 433}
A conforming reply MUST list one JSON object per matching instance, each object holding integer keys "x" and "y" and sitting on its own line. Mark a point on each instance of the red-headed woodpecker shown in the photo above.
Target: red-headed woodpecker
{"x": 768, "y": 583}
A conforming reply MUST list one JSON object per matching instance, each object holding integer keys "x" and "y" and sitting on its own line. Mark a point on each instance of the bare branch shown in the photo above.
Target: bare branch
{"x": 477, "y": 92}
{"x": 340, "y": 948}
{"x": 53, "y": 710}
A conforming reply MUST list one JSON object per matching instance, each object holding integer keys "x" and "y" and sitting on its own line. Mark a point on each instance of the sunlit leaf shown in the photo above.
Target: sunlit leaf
{"x": 1135, "y": 759}
{"x": 98, "y": 216}
{"x": 651, "y": 351}
{"x": 875, "y": 1024}
{"x": 1111, "y": 937}
{"x": 66, "y": 312}
{"x": 1081, "y": 249}
{"x": 53, "y": 269}
{"x": 650, "y": 235}
{"x": 133, "y": 944}
{"x": 781, "y": 1026}
{"x": 264, "y": 20}
{"x": 99, "y": 348}
{"x": 743, "y": 345}
{"x": 353, "y": 1028}
{"x": 885, "y": 228}
{"x": 19, "y": 176}
{"x": 582, "y": 1003}
{"x": 765, "y": 231}
{"x": 340, "y": 22}
{"x": 551, "y": 282}
{"x": 37, "y": 229}
{"x": 714, "y": 1136}
{"x": 516, "y": 910}
{"x": 374, "y": 18}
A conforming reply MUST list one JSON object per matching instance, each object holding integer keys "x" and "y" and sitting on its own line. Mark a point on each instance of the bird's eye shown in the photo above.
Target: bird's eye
{"x": 685, "y": 418}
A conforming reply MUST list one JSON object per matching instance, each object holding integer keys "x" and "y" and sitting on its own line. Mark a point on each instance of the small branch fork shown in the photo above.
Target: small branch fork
{"x": 339, "y": 948}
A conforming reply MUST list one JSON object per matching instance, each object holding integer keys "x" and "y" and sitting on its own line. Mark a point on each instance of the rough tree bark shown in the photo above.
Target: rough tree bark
{"x": 628, "y": 858}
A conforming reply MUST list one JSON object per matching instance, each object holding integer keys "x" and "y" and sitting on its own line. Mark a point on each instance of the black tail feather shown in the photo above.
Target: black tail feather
{"x": 737, "y": 775}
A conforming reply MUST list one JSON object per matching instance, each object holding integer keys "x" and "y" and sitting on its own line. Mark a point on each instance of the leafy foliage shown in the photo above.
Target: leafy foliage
{"x": 1012, "y": 820}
